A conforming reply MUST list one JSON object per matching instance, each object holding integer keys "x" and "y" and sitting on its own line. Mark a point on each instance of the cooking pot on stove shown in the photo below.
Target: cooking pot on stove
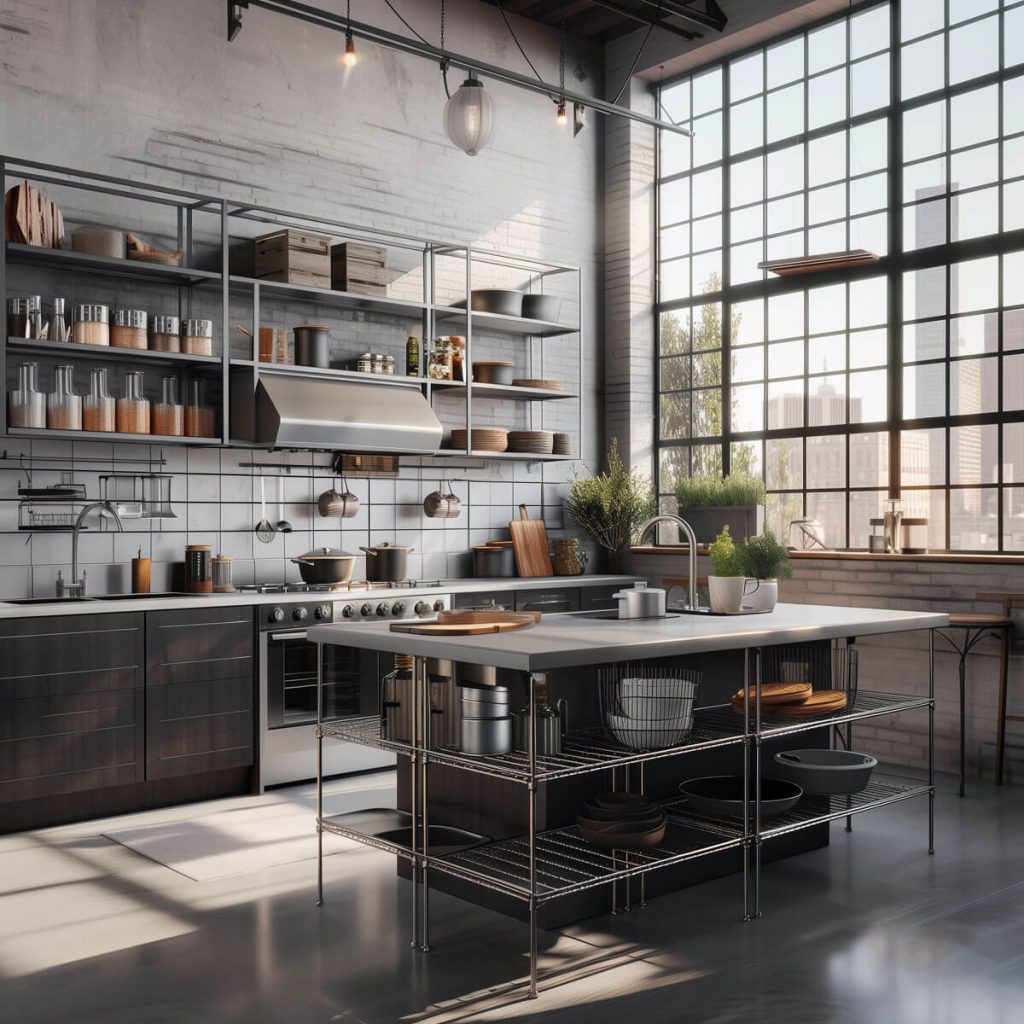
{"x": 387, "y": 563}
{"x": 325, "y": 565}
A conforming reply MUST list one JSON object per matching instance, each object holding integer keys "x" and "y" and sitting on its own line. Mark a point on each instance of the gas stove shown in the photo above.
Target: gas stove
{"x": 334, "y": 588}
{"x": 325, "y": 605}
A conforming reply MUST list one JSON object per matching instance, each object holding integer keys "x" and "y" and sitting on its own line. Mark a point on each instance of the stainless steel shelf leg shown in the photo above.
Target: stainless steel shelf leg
{"x": 757, "y": 783}
{"x": 424, "y": 698}
{"x": 531, "y": 739}
{"x": 643, "y": 877}
{"x": 849, "y": 746}
{"x": 414, "y": 942}
{"x": 931, "y": 741}
{"x": 319, "y": 777}
{"x": 746, "y": 789}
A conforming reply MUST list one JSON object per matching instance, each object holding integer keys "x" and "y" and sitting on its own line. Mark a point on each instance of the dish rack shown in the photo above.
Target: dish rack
{"x": 139, "y": 495}
{"x": 46, "y": 515}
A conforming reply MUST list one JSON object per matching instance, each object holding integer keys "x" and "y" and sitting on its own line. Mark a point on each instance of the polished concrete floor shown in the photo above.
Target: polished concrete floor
{"x": 871, "y": 929}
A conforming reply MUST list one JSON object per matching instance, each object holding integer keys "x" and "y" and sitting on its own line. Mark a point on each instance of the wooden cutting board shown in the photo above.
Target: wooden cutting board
{"x": 460, "y": 628}
{"x": 530, "y": 542}
{"x": 455, "y": 618}
{"x": 31, "y": 219}
{"x": 820, "y": 702}
{"x": 777, "y": 693}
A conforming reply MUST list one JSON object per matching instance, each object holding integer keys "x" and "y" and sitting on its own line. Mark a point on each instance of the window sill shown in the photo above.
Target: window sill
{"x": 853, "y": 556}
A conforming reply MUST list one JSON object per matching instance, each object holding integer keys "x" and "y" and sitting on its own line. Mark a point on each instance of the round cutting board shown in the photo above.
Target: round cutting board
{"x": 777, "y": 693}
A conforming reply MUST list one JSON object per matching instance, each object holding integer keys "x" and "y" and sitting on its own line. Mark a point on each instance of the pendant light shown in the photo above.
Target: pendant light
{"x": 350, "y": 58}
{"x": 469, "y": 116}
{"x": 561, "y": 118}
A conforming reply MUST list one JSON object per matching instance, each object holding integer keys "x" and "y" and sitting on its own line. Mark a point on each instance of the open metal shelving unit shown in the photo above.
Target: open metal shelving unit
{"x": 542, "y": 866}
{"x": 224, "y": 219}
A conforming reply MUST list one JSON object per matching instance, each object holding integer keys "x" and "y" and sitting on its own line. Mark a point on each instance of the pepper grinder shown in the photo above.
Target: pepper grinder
{"x": 140, "y": 574}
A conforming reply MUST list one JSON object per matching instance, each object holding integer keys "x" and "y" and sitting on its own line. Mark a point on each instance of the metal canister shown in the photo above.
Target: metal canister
{"x": 198, "y": 569}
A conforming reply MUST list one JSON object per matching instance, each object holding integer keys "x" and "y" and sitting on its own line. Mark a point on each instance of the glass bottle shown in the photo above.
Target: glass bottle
{"x": 199, "y": 419}
{"x": 98, "y": 407}
{"x": 63, "y": 406}
{"x": 412, "y": 356}
{"x": 133, "y": 409}
{"x": 27, "y": 402}
{"x": 169, "y": 413}
{"x": 396, "y": 702}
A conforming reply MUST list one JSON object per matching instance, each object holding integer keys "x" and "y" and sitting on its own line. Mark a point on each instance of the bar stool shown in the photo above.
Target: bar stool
{"x": 1009, "y": 602}
{"x": 976, "y": 626}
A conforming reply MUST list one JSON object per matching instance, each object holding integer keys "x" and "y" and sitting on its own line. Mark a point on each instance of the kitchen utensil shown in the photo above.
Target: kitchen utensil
{"x": 722, "y": 795}
{"x": 624, "y": 835}
{"x": 541, "y": 307}
{"x": 325, "y": 565}
{"x": 140, "y": 574}
{"x": 343, "y": 504}
{"x": 777, "y": 693}
{"x": 498, "y": 372}
{"x": 819, "y": 703}
{"x": 311, "y": 345}
{"x": 143, "y": 252}
{"x": 443, "y": 506}
{"x": 825, "y": 772}
{"x": 807, "y": 534}
{"x": 485, "y": 737}
{"x": 282, "y": 525}
{"x": 476, "y": 616}
{"x": 641, "y": 602}
{"x": 492, "y": 562}
{"x": 552, "y": 724}
{"x": 387, "y": 563}
{"x": 31, "y": 219}
{"x": 530, "y": 540}
{"x": 623, "y": 804}
{"x": 536, "y": 442}
{"x": 504, "y": 301}
{"x": 198, "y": 569}
{"x": 483, "y": 693}
{"x": 265, "y": 531}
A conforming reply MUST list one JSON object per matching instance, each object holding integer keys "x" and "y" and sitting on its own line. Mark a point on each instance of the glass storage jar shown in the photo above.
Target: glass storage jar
{"x": 169, "y": 413}
{"x": 59, "y": 328}
{"x": 27, "y": 403}
{"x": 91, "y": 324}
{"x": 17, "y": 317}
{"x": 133, "y": 409}
{"x": 440, "y": 366}
{"x": 128, "y": 329}
{"x": 197, "y": 337}
{"x": 222, "y": 575}
{"x": 63, "y": 406}
{"x": 198, "y": 569}
{"x": 98, "y": 407}
{"x": 35, "y": 316}
{"x": 199, "y": 417}
{"x": 166, "y": 334}
{"x": 458, "y": 346}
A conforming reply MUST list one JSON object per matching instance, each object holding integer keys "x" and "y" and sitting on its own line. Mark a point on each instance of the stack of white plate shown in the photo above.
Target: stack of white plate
{"x": 534, "y": 442}
{"x": 485, "y": 439}
{"x": 562, "y": 444}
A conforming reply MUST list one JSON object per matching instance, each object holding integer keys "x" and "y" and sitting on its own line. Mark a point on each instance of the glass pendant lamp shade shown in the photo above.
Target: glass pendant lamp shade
{"x": 469, "y": 116}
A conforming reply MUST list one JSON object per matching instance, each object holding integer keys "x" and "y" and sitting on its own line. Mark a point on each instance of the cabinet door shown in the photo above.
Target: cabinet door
{"x": 71, "y": 704}
{"x": 594, "y": 598}
{"x": 200, "y": 691}
{"x": 564, "y": 599}
{"x": 503, "y": 600}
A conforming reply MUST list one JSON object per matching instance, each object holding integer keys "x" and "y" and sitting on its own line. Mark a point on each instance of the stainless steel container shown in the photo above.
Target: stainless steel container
{"x": 481, "y": 737}
{"x": 311, "y": 345}
{"x": 641, "y": 602}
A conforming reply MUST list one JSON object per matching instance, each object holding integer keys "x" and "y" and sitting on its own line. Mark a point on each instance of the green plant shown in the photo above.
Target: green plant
{"x": 764, "y": 558}
{"x": 710, "y": 491}
{"x": 613, "y": 505}
{"x": 723, "y": 555}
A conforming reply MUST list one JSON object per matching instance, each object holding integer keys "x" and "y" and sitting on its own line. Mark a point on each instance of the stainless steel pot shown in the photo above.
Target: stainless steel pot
{"x": 484, "y": 736}
{"x": 325, "y": 565}
{"x": 387, "y": 563}
{"x": 641, "y": 602}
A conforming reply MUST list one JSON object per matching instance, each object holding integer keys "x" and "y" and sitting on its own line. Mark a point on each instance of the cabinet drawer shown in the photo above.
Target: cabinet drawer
{"x": 189, "y": 646}
{"x": 504, "y": 600}
{"x": 594, "y": 598}
{"x": 564, "y": 599}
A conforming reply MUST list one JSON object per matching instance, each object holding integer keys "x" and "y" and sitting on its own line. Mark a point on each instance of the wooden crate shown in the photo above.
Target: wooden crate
{"x": 359, "y": 268}
{"x": 296, "y": 257}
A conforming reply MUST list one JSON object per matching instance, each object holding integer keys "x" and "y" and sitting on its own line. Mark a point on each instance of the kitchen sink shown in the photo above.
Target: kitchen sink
{"x": 134, "y": 597}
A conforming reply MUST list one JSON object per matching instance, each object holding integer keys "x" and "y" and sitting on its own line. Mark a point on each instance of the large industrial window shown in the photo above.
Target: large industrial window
{"x": 900, "y": 130}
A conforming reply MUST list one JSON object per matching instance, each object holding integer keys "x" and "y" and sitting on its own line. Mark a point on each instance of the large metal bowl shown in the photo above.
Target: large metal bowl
{"x": 825, "y": 772}
{"x": 722, "y": 795}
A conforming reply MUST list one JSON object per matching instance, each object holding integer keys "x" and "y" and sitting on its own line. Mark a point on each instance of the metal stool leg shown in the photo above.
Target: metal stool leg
{"x": 963, "y": 713}
{"x": 1004, "y": 658}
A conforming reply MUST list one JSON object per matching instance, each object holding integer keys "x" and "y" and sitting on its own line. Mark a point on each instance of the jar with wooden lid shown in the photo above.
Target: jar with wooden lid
{"x": 91, "y": 325}
{"x": 27, "y": 407}
{"x": 128, "y": 328}
{"x": 133, "y": 408}
{"x": 197, "y": 337}
{"x": 199, "y": 416}
{"x": 222, "y": 583}
{"x": 98, "y": 407}
{"x": 166, "y": 334}
{"x": 198, "y": 569}
{"x": 169, "y": 413}
{"x": 63, "y": 406}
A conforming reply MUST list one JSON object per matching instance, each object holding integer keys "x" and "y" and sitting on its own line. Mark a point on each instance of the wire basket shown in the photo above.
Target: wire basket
{"x": 825, "y": 668}
{"x": 645, "y": 707}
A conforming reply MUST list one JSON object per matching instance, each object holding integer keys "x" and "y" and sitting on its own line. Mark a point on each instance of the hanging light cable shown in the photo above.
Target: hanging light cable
{"x": 561, "y": 117}
{"x": 351, "y": 58}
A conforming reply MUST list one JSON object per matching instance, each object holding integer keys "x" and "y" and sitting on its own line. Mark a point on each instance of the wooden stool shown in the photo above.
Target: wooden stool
{"x": 976, "y": 627}
{"x": 1009, "y": 602}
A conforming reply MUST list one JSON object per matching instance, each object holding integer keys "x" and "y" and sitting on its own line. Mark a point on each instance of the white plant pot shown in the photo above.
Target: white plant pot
{"x": 761, "y": 598}
{"x": 728, "y": 593}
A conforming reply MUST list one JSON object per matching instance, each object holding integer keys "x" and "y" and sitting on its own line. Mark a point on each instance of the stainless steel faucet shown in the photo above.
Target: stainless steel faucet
{"x": 77, "y": 587}
{"x": 691, "y": 539}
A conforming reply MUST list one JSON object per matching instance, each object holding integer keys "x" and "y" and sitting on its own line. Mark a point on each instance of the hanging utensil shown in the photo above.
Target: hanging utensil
{"x": 283, "y": 526}
{"x": 442, "y": 506}
{"x": 335, "y": 503}
{"x": 265, "y": 531}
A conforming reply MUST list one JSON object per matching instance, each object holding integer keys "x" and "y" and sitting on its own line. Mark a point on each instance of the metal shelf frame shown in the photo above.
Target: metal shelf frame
{"x": 542, "y": 866}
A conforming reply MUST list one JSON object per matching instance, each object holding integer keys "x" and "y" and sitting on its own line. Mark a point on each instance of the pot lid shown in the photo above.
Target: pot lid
{"x": 311, "y": 327}
{"x": 324, "y": 555}
{"x": 386, "y": 546}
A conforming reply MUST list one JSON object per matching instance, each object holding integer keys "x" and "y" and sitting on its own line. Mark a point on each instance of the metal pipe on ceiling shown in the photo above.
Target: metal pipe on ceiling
{"x": 416, "y": 48}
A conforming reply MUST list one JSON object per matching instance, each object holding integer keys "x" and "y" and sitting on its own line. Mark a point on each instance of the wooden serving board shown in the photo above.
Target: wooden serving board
{"x": 777, "y": 693}
{"x": 450, "y": 618}
{"x": 31, "y": 219}
{"x": 530, "y": 542}
{"x": 820, "y": 702}
{"x": 458, "y": 628}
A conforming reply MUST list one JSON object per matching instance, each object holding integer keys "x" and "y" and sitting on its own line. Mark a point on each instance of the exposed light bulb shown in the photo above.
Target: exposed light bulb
{"x": 351, "y": 58}
{"x": 561, "y": 117}
{"x": 469, "y": 116}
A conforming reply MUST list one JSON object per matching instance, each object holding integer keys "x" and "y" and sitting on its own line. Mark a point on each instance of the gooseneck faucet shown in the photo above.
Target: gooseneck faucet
{"x": 76, "y": 588}
{"x": 691, "y": 540}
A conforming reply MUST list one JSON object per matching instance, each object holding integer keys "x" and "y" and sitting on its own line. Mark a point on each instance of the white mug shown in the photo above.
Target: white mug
{"x": 728, "y": 593}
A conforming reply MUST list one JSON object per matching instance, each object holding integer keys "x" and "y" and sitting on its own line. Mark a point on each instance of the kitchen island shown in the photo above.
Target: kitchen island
{"x": 547, "y": 860}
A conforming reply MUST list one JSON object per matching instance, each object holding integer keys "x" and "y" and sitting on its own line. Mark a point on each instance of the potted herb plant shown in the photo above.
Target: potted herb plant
{"x": 708, "y": 503}
{"x": 765, "y": 561}
{"x": 727, "y": 585}
{"x": 611, "y": 506}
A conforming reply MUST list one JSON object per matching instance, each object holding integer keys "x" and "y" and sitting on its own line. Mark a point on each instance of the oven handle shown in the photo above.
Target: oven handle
{"x": 277, "y": 637}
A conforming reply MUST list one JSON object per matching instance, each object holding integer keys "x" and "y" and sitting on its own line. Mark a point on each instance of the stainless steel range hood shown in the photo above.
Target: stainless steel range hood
{"x": 289, "y": 411}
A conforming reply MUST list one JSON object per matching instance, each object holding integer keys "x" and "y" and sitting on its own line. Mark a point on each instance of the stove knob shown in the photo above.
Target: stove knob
{"x": 277, "y": 615}
{"x": 439, "y": 606}
{"x": 382, "y": 608}
{"x": 299, "y": 614}
{"x": 348, "y": 611}
{"x": 367, "y": 609}
{"x": 398, "y": 608}
{"x": 423, "y": 608}
{"x": 323, "y": 612}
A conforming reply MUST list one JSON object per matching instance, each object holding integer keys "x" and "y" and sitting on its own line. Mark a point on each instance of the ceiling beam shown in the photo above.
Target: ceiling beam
{"x": 644, "y": 19}
{"x": 711, "y": 17}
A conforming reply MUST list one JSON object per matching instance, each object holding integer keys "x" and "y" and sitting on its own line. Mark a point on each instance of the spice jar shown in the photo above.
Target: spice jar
{"x": 17, "y": 318}
{"x": 440, "y": 366}
{"x": 365, "y": 363}
{"x": 198, "y": 569}
{"x": 389, "y": 366}
{"x": 133, "y": 409}
{"x": 199, "y": 418}
{"x": 98, "y": 407}
{"x": 222, "y": 575}
{"x": 169, "y": 413}
{"x": 34, "y": 312}
{"x": 28, "y": 404}
{"x": 59, "y": 328}
{"x": 128, "y": 328}
{"x": 165, "y": 336}
{"x": 63, "y": 406}
{"x": 197, "y": 337}
{"x": 91, "y": 325}
{"x": 378, "y": 363}
{"x": 458, "y": 347}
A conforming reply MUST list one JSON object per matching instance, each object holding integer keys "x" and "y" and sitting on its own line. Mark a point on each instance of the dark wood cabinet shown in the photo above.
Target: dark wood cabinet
{"x": 71, "y": 704}
{"x": 548, "y": 601}
{"x": 200, "y": 691}
{"x": 596, "y": 598}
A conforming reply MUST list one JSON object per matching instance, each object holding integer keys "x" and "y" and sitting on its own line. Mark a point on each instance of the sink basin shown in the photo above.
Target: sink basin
{"x": 135, "y": 597}
{"x": 46, "y": 600}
